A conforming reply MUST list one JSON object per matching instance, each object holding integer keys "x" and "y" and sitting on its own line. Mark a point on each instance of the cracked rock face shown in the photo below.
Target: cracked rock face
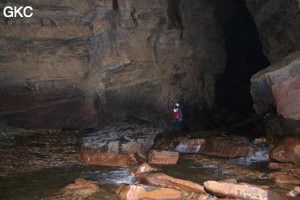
{"x": 125, "y": 137}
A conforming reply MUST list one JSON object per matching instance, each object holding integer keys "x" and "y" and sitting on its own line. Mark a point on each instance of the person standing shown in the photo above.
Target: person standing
{"x": 177, "y": 113}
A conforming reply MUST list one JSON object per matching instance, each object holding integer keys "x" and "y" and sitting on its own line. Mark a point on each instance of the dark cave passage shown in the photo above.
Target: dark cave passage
{"x": 244, "y": 57}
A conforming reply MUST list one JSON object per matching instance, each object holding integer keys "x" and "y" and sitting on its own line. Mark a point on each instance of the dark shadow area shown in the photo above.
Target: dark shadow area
{"x": 174, "y": 16}
{"x": 244, "y": 57}
{"x": 115, "y": 4}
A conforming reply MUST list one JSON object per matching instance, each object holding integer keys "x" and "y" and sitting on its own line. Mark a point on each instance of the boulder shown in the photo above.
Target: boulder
{"x": 223, "y": 147}
{"x": 163, "y": 157}
{"x": 115, "y": 145}
{"x": 163, "y": 180}
{"x": 145, "y": 168}
{"x": 294, "y": 192}
{"x": 243, "y": 191}
{"x": 135, "y": 192}
{"x": 80, "y": 189}
{"x": 125, "y": 137}
{"x": 107, "y": 159}
{"x": 283, "y": 166}
{"x": 285, "y": 178}
{"x": 288, "y": 150}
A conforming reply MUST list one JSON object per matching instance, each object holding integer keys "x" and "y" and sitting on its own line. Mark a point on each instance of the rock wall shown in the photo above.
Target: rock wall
{"x": 43, "y": 61}
{"x": 278, "y": 26}
{"x": 148, "y": 55}
{"x": 81, "y": 64}
{"x": 278, "y": 85}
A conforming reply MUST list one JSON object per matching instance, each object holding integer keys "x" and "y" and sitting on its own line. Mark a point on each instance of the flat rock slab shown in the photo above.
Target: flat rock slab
{"x": 124, "y": 137}
{"x": 163, "y": 157}
{"x": 163, "y": 180}
{"x": 107, "y": 159}
{"x": 133, "y": 192}
{"x": 223, "y": 147}
{"x": 243, "y": 191}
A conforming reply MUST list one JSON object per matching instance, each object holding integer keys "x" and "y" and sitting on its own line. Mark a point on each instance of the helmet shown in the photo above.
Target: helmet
{"x": 177, "y": 104}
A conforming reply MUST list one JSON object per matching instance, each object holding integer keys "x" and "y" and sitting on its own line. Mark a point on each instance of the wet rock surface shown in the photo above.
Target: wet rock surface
{"x": 32, "y": 150}
{"x": 211, "y": 189}
{"x": 163, "y": 157}
{"x": 116, "y": 145}
{"x": 131, "y": 192}
{"x": 107, "y": 159}
{"x": 224, "y": 147}
{"x": 189, "y": 145}
{"x": 145, "y": 167}
{"x": 81, "y": 188}
{"x": 287, "y": 150}
{"x": 243, "y": 191}
{"x": 124, "y": 137}
{"x": 163, "y": 180}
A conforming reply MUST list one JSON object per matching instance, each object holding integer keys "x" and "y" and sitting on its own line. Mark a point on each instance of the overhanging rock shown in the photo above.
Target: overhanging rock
{"x": 279, "y": 85}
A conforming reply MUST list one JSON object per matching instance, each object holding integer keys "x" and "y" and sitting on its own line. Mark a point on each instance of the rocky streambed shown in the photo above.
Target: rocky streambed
{"x": 52, "y": 164}
{"x": 25, "y": 151}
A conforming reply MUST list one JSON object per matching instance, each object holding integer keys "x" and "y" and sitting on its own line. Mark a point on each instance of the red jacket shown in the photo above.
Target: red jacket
{"x": 177, "y": 113}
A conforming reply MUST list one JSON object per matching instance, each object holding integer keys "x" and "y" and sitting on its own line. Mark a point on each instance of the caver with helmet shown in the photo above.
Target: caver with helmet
{"x": 177, "y": 113}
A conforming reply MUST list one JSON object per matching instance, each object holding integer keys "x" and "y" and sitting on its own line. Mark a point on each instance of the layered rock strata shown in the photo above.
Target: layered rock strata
{"x": 278, "y": 86}
{"x": 44, "y": 60}
{"x": 147, "y": 56}
{"x": 82, "y": 64}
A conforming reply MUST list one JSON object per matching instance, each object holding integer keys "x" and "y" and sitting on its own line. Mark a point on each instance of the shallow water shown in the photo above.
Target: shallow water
{"x": 47, "y": 182}
{"x": 194, "y": 167}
